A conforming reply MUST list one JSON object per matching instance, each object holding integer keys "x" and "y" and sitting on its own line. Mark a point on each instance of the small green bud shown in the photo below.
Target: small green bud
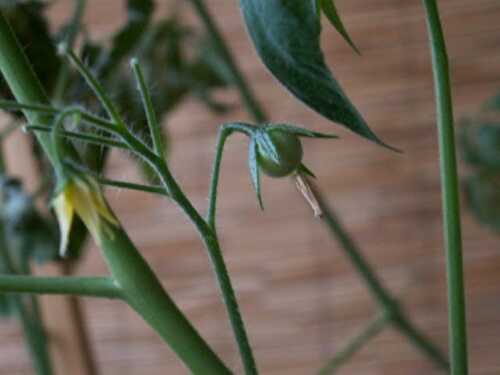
{"x": 279, "y": 152}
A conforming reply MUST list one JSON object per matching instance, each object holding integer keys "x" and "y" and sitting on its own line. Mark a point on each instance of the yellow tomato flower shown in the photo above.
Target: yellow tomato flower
{"x": 83, "y": 196}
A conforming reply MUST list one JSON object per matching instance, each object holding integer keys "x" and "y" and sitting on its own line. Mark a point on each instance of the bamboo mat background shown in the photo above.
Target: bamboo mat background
{"x": 299, "y": 296}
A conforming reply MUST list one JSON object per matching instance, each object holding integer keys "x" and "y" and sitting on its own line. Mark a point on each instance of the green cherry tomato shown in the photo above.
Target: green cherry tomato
{"x": 288, "y": 151}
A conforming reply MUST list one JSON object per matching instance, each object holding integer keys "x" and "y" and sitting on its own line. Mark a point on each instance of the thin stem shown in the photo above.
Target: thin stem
{"x": 73, "y": 29}
{"x": 375, "y": 286}
{"x": 372, "y": 329}
{"x": 131, "y": 186}
{"x": 82, "y": 286}
{"x": 153, "y": 124}
{"x": 215, "y": 254}
{"x": 80, "y": 136}
{"x": 353, "y": 252}
{"x": 407, "y": 329}
{"x": 212, "y": 197}
{"x": 450, "y": 192}
{"x": 160, "y": 190}
{"x": 96, "y": 87}
{"x": 9, "y": 105}
{"x": 246, "y": 93}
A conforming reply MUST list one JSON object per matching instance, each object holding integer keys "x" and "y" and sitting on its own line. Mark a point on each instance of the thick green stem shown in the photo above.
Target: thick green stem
{"x": 144, "y": 293}
{"x": 22, "y": 80}
{"x": 371, "y": 330}
{"x": 141, "y": 288}
{"x": 246, "y": 93}
{"x": 82, "y": 286}
{"x": 450, "y": 192}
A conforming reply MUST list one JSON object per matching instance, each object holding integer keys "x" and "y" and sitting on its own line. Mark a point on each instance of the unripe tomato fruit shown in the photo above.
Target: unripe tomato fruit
{"x": 289, "y": 152}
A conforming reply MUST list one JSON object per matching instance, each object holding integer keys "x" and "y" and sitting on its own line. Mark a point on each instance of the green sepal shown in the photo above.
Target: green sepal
{"x": 243, "y": 127}
{"x": 301, "y": 132}
{"x": 253, "y": 165}
{"x": 303, "y": 169}
{"x": 266, "y": 145}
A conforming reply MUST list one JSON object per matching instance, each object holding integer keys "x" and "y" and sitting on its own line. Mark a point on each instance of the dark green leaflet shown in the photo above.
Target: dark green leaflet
{"x": 330, "y": 10}
{"x": 286, "y": 34}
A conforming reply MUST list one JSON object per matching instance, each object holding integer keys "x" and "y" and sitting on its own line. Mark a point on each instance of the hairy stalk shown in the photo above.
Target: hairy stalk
{"x": 153, "y": 124}
{"x": 212, "y": 245}
{"x": 450, "y": 192}
{"x": 174, "y": 191}
{"x": 79, "y": 136}
{"x": 141, "y": 288}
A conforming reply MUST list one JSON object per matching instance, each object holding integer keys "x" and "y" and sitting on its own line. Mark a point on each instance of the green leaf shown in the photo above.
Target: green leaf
{"x": 286, "y": 34}
{"x": 332, "y": 14}
{"x": 254, "y": 169}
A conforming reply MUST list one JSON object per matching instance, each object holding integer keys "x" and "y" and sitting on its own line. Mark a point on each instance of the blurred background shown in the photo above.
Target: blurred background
{"x": 299, "y": 295}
